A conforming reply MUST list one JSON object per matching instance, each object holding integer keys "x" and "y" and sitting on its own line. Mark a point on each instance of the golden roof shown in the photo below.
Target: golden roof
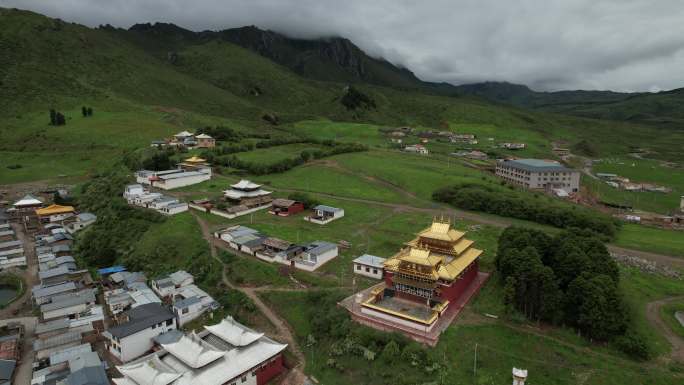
{"x": 195, "y": 159}
{"x": 441, "y": 231}
{"x": 421, "y": 257}
{"x": 450, "y": 271}
{"x": 55, "y": 209}
{"x": 447, "y": 263}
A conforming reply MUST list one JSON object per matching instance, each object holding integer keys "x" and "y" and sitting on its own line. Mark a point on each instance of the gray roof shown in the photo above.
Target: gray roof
{"x": 10, "y": 244}
{"x": 255, "y": 242}
{"x": 180, "y": 174}
{"x": 59, "y": 248}
{"x": 327, "y": 208}
{"x": 57, "y": 271}
{"x": 91, "y": 375}
{"x": 69, "y": 299}
{"x": 370, "y": 260}
{"x": 141, "y": 318}
{"x": 46, "y": 291}
{"x": 536, "y": 165}
{"x": 84, "y": 217}
{"x": 186, "y": 302}
{"x": 169, "y": 337}
{"x": 164, "y": 283}
{"x": 45, "y": 327}
{"x": 7, "y": 369}
{"x": 319, "y": 247}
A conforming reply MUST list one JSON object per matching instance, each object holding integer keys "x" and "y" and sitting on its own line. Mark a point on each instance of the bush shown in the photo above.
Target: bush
{"x": 305, "y": 198}
{"x": 633, "y": 344}
{"x": 14, "y": 166}
{"x": 509, "y": 203}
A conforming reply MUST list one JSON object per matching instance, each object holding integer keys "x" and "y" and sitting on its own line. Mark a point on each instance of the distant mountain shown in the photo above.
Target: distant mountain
{"x": 662, "y": 108}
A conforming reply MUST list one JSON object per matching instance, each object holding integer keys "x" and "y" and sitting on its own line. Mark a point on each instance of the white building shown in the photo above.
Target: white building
{"x": 369, "y": 266}
{"x": 224, "y": 354}
{"x": 417, "y": 149}
{"x": 538, "y": 174}
{"x": 168, "y": 286}
{"x": 323, "y": 214}
{"x": 82, "y": 221}
{"x": 171, "y": 179}
{"x": 133, "y": 190}
{"x": 68, "y": 305}
{"x": 174, "y": 208}
{"x": 135, "y": 337}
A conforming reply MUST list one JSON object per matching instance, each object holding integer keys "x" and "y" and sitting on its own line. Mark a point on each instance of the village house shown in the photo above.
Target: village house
{"x": 417, "y": 149}
{"x": 247, "y": 195}
{"x": 285, "y": 207}
{"x": 68, "y": 305}
{"x": 323, "y": 214}
{"x": 184, "y": 138}
{"x": 82, "y": 221}
{"x": 369, "y": 265}
{"x": 43, "y": 294}
{"x": 135, "y": 336}
{"x": 314, "y": 255}
{"x": 190, "y": 302}
{"x": 166, "y": 287}
{"x": 513, "y": 146}
{"x": 171, "y": 179}
{"x": 205, "y": 141}
{"x": 538, "y": 174}
{"x": 55, "y": 213}
{"x": 224, "y": 354}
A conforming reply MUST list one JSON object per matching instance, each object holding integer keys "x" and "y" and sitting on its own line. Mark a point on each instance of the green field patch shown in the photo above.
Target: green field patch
{"x": 659, "y": 241}
{"x": 667, "y": 313}
{"x": 277, "y": 153}
{"x": 340, "y": 131}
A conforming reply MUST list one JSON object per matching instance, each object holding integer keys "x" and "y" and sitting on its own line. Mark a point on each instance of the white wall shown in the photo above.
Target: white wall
{"x": 181, "y": 182}
{"x": 137, "y": 344}
{"x": 361, "y": 270}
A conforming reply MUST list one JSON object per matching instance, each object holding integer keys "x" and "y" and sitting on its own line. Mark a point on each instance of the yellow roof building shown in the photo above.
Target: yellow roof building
{"x": 195, "y": 159}
{"x": 439, "y": 252}
{"x": 54, "y": 210}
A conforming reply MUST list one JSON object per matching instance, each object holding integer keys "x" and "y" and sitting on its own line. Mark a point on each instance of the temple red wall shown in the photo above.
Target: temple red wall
{"x": 388, "y": 278}
{"x": 458, "y": 287}
{"x": 271, "y": 370}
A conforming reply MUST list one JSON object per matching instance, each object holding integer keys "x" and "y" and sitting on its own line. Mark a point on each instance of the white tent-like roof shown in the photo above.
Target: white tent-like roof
{"x": 183, "y": 134}
{"x": 245, "y": 184}
{"x": 28, "y": 200}
{"x": 192, "y": 351}
{"x": 150, "y": 372}
{"x": 203, "y": 136}
{"x": 234, "y": 333}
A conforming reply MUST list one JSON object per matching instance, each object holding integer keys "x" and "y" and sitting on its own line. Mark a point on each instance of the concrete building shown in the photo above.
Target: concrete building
{"x": 369, "y": 266}
{"x": 323, "y": 214}
{"x": 538, "y": 174}
{"x": 135, "y": 337}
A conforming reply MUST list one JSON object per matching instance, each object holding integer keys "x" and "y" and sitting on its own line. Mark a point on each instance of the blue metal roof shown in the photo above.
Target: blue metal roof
{"x": 111, "y": 270}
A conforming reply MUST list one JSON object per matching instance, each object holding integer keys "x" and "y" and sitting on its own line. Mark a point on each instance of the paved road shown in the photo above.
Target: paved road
{"x": 653, "y": 316}
{"x": 296, "y": 375}
{"x": 24, "y": 370}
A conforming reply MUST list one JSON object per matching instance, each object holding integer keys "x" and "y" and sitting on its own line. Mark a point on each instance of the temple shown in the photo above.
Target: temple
{"x": 248, "y": 194}
{"x": 226, "y": 353}
{"x": 424, "y": 285}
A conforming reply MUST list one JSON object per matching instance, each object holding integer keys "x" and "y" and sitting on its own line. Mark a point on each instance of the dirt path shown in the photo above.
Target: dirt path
{"x": 653, "y": 316}
{"x": 676, "y": 262}
{"x": 28, "y": 275}
{"x": 25, "y": 367}
{"x": 296, "y": 375}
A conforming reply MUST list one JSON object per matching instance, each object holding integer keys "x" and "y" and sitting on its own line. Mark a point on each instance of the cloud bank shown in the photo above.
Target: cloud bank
{"x": 622, "y": 45}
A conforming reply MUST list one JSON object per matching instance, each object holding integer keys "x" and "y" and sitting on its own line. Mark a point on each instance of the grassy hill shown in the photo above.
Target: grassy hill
{"x": 146, "y": 83}
{"x": 661, "y": 109}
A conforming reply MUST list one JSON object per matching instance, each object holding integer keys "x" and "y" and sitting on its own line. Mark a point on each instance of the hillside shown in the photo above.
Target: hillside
{"x": 662, "y": 108}
{"x": 146, "y": 83}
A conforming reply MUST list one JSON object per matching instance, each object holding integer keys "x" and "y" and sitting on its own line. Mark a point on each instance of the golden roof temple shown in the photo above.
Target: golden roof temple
{"x": 438, "y": 253}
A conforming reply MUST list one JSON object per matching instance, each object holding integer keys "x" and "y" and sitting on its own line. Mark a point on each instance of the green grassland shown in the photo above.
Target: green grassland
{"x": 641, "y": 171}
{"x": 667, "y": 313}
{"x": 662, "y": 241}
{"x": 275, "y": 154}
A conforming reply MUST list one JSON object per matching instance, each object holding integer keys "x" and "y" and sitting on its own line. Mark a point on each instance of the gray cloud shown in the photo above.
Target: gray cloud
{"x": 624, "y": 45}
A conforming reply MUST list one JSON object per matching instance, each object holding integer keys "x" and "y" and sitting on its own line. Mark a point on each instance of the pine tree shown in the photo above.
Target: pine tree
{"x": 90, "y": 111}
{"x": 61, "y": 120}
{"x": 84, "y": 111}
{"x": 53, "y": 117}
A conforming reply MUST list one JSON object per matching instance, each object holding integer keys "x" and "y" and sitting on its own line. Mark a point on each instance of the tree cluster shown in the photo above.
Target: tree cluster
{"x": 86, "y": 111}
{"x": 354, "y": 99}
{"x": 509, "y": 203}
{"x": 567, "y": 279}
{"x": 57, "y": 118}
{"x": 285, "y": 164}
{"x": 306, "y": 199}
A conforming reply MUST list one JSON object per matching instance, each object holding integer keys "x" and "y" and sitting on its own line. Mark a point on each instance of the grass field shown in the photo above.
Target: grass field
{"x": 668, "y": 242}
{"x": 275, "y": 154}
{"x": 641, "y": 171}
{"x": 667, "y": 313}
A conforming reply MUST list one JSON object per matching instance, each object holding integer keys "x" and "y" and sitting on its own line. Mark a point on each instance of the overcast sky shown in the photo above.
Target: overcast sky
{"x": 623, "y": 45}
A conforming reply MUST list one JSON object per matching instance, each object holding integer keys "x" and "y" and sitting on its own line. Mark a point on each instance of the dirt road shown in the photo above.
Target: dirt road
{"x": 28, "y": 275}
{"x": 296, "y": 375}
{"x": 653, "y": 316}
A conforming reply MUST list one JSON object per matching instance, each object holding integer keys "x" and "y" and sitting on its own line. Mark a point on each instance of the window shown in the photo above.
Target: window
{"x": 243, "y": 379}
{"x": 185, "y": 310}
{"x": 358, "y": 267}
{"x": 169, "y": 322}
{"x": 367, "y": 269}
{"x": 375, "y": 271}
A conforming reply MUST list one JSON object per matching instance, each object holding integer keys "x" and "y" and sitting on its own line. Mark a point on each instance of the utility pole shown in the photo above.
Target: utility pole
{"x": 475, "y": 365}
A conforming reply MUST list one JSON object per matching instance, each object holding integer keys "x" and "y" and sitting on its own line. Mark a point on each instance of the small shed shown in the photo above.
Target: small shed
{"x": 369, "y": 266}
{"x": 286, "y": 207}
